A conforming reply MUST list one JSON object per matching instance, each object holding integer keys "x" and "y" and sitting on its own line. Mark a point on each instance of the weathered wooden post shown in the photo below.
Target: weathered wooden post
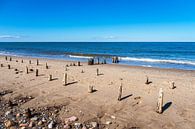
{"x": 6, "y": 58}
{"x": 147, "y": 80}
{"x": 90, "y": 89}
{"x": 160, "y": 102}
{"x": 9, "y": 67}
{"x": 97, "y": 72}
{"x": 104, "y": 61}
{"x": 65, "y": 79}
{"x": 120, "y": 92}
{"x": 50, "y": 77}
{"x": 82, "y": 71}
{"x": 29, "y": 61}
{"x": 37, "y": 72}
{"x": 98, "y": 60}
{"x": 115, "y": 59}
{"x": 1, "y": 65}
{"x": 27, "y": 70}
{"x": 79, "y": 63}
{"x": 22, "y": 61}
{"x": 10, "y": 59}
{"x": 172, "y": 85}
{"x": 37, "y": 62}
{"x": 91, "y": 61}
{"x": 46, "y": 66}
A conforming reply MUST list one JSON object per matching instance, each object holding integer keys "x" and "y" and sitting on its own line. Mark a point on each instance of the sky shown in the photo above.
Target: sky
{"x": 97, "y": 20}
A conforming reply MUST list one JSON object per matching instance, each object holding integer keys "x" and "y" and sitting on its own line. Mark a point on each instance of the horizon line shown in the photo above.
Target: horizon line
{"x": 98, "y": 41}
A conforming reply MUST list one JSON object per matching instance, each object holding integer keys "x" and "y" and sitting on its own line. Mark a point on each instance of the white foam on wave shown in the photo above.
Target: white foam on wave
{"x": 83, "y": 57}
{"x": 158, "y": 60}
{"x": 147, "y": 66}
{"x": 4, "y": 53}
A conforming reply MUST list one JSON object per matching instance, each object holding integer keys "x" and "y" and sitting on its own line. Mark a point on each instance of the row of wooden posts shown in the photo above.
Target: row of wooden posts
{"x": 37, "y": 71}
{"x": 91, "y": 88}
{"x": 92, "y": 61}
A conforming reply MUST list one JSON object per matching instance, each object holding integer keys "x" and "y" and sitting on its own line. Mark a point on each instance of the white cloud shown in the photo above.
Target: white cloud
{"x": 105, "y": 38}
{"x": 9, "y": 37}
{"x": 110, "y": 37}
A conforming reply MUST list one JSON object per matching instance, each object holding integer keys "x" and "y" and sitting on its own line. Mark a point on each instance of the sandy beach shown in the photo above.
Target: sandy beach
{"x": 136, "y": 110}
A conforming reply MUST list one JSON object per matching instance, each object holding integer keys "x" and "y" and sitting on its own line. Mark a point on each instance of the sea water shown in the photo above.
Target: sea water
{"x": 177, "y": 55}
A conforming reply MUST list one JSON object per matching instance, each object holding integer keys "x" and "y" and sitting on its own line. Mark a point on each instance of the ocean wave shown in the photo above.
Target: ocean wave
{"x": 4, "y": 53}
{"x": 147, "y": 66}
{"x": 158, "y": 60}
{"x": 83, "y": 57}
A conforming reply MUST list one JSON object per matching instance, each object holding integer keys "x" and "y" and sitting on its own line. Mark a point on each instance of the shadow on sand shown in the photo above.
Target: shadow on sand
{"x": 125, "y": 97}
{"x": 166, "y": 106}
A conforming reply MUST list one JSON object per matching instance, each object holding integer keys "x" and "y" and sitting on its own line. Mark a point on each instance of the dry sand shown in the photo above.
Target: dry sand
{"x": 179, "y": 103}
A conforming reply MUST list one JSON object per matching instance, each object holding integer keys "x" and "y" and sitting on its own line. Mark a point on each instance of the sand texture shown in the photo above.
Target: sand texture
{"x": 137, "y": 108}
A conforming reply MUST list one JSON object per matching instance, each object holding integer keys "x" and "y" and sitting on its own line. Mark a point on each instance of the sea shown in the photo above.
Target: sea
{"x": 169, "y": 55}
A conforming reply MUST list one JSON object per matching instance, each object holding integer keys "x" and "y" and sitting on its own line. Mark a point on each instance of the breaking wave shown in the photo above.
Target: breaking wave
{"x": 182, "y": 62}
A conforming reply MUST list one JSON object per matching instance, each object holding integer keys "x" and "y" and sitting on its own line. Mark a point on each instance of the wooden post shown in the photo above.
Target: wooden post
{"x": 10, "y": 59}
{"x": 1, "y": 65}
{"x": 9, "y": 67}
{"x": 90, "y": 89}
{"x": 26, "y": 70}
{"x": 82, "y": 71}
{"x": 147, "y": 80}
{"x": 50, "y": 77}
{"x": 104, "y": 61}
{"x": 37, "y": 72}
{"x": 120, "y": 92}
{"x": 115, "y": 59}
{"x": 160, "y": 102}
{"x": 29, "y": 61}
{"x": 172, "y": 85}
{"x": 91, "y": 61}
{"x": 98, "y": 60}
{"x": 22, "y": 61}
{"x": 79, "y": 63}
{"x": 46, "y": 66}
{"x": 97, "y": 72}
{"x": 6, "y": 58}
{"x": 65, "y": 79}
{"x": 37, "y": 62}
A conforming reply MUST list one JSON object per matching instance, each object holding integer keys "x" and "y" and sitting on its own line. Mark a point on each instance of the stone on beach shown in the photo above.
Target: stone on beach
{"x": 71, "y": 119}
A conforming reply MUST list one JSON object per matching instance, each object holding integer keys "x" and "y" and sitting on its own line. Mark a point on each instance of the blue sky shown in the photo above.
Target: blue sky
{"x": 97, "y": 20}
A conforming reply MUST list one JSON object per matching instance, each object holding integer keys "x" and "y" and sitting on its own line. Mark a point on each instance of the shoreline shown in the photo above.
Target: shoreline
{"x": 111, "y": 64}
{"x": 136, "y": 109}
